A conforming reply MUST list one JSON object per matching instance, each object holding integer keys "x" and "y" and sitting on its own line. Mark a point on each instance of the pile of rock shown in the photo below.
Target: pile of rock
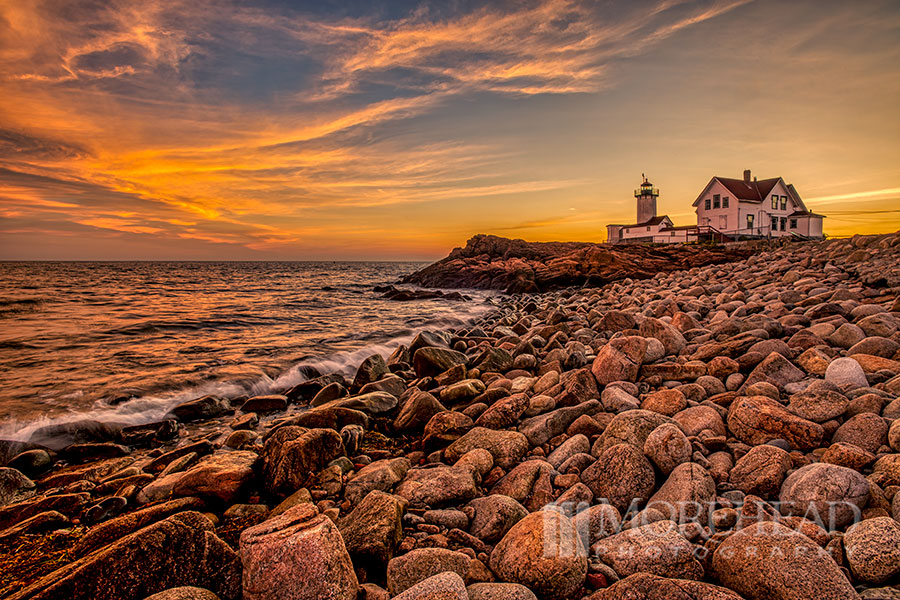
{"x": 721, "y": 432}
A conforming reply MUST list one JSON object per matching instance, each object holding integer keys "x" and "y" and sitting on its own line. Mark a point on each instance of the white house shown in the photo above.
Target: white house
{"x": 750, "y": 208}
{"x": 727, "y": 210}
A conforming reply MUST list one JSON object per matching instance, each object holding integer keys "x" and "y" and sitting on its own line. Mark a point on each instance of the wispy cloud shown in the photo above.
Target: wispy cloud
{"x": 256, "y": 125}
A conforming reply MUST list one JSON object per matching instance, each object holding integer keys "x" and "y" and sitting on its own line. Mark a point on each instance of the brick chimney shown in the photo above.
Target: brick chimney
{"x": 747, "y": 175}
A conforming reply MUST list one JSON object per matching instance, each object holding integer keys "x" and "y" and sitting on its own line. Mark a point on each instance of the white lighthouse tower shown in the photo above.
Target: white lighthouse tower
{"x": 646, "y": 196}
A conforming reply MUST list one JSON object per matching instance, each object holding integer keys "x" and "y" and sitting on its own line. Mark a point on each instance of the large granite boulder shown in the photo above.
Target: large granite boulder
{"x": 830, "y": 494}
{"x": 543, "y": 552}
{"x": 222, "y": 476}
{"x": 372, "y": 530}
{"x": 298, "y": 555}
{"x": 292, "y": 455}
{"x": 756, "y": 420}
{"x": 657, "y": 548}
{"x": 177, "y": 551}
{"x": 768, "y": 561}
{"x": 622, "y": 475}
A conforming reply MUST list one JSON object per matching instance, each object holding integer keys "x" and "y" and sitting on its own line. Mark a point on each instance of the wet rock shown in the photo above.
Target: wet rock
{"x": 39, "y": 523}
{"x": 408, "y": 570}
{"x": 432, "y": 361}
{"x": 832, "y": 495}
{"x": 299, "y": 554}
{"x": 177, "y": 551}
{"x": 758, "y": 419}
{"x": 31, "y": 463}
{"x": 445, "y": 428}
{"x": 372, "y": 369}
{"x": 621, "y": 475}
{"x": 461, "y": 391}
{"x": 373, "y": 403}
{"x": 105, "y": 533}
{"x": 205, "y": 408}
{"x": 768, "y": 561}
{"x": 872, "y": 548}
{"x": 14, "y": 486}
{"x": 416, "y": 411}
{"x": 373, "y": 529}
{"x": 507, "y": 447}
{"x": 544, "y": 553}
{"x": 292, "y": 454}
{"x": 381, "y": 475}
{"x": 265, "y": 404}
{"x": 221, "y": 477}
{"x": 656, "y": 548}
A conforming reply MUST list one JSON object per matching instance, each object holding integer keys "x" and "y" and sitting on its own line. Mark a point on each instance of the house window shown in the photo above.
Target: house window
{"x": 750, "y": 223}
{"x": 774, "y": 202}
{"x": 648, "y": 228}
{"x": 706, "y": 204}
{"x": 774, "y": 223}
{"x": 716, "y": 201}
{"x": 672, "y": 234}
{"x": 793, "y": 223}
{"x": 783, "y": 223}
{"x": 784, "y": 203}
{"x": 725, "y": 202}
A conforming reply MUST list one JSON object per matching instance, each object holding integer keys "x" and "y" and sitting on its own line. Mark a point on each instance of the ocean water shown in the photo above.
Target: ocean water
{"x": 126, "y": 341}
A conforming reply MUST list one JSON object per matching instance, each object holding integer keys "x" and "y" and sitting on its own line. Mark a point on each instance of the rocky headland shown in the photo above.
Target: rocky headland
{"x": 489, "y": 262}
{"x": 714, "y": 423}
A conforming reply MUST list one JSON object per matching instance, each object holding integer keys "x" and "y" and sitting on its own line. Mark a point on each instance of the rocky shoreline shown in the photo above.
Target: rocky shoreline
{"x": 726, "y": 428}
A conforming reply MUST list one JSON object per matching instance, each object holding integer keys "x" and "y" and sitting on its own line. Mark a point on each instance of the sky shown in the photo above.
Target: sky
{"x": 373, "y": 130}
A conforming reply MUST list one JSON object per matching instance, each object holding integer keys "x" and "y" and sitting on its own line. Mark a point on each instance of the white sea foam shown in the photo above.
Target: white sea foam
{"x": 152, "y": 408}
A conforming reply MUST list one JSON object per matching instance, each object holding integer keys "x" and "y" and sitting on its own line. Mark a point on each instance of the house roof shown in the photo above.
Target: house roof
{"x": 651, "y": 222}
{"x": 805, "y": 213}
{"x": 752, "y": 191}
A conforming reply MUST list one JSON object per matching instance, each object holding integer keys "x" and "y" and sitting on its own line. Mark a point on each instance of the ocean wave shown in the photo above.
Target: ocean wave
{"x": 154, "y": 407}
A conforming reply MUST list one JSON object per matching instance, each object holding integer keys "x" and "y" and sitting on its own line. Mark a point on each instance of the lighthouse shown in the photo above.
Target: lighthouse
{"x": 646, "y": 196}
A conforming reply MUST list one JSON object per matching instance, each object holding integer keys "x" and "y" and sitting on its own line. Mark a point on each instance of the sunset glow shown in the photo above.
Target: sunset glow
{"x": 278, "y": 130}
